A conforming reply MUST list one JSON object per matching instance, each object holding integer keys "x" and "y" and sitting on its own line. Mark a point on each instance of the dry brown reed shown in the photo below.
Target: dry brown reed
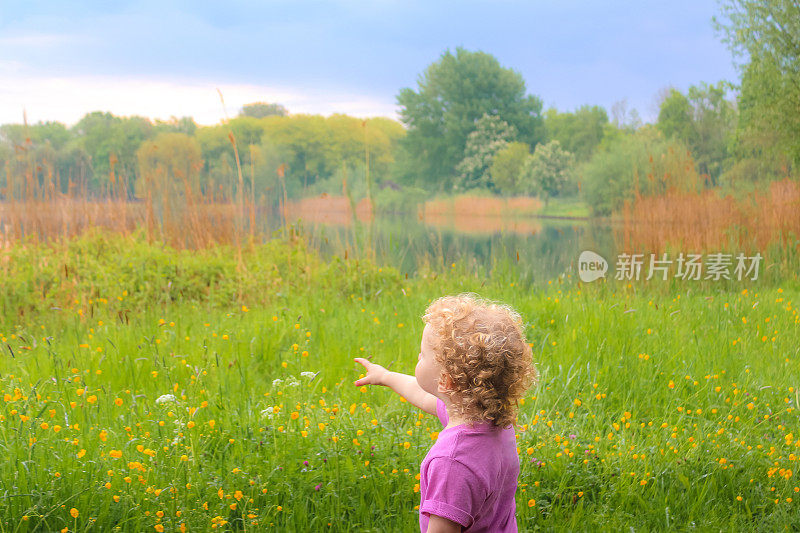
{"x": 708, "y": 221}
{"x": 172, "y": 208}
{"x": 197, "y": 225}
{"x": 482, "y": 206}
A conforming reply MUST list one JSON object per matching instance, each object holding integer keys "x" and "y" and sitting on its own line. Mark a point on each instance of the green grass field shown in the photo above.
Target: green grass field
{"x": 146, "y": 389}
{"x": 566, "y": 207}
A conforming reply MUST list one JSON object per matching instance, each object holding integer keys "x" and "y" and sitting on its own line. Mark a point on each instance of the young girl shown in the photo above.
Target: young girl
{"x": 474, "y": 364}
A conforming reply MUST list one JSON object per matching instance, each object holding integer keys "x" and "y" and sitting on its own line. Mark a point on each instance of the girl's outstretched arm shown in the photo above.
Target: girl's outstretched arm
{"x": 403, "y": 384}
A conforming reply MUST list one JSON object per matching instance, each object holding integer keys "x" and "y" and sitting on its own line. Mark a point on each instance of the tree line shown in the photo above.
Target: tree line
{"x": 102, "y": 147}
{"x": 469, "y": 125}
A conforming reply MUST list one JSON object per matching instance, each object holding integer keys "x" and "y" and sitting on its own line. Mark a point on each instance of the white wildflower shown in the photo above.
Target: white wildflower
{"x": 276, "y": 382}
{"x": 309, "y": 375}
{"x": 165, "y": 398}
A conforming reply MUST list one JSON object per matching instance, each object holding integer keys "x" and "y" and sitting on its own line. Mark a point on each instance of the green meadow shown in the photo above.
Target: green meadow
{"x": 150, "y": 389}
{"x": 181, "y": 303}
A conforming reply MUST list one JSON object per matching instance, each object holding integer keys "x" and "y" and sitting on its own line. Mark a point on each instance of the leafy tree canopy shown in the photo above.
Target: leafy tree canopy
{"x": 548, "y": 170}
{"x": 452, "y": 95}
{"x": 170, "y": 162}
{"x": 106, "y": 137}
{"x": 491, "y": 135}
{"x": 641, "y": 162}
{"x": 53, "y": 133}
{"x": 764, "y": 36}
{"x": 263, "y": 109}
{"x": 704, "y": 120}
{"x": 507, "y": 166}
{"x": 578, "y": 133}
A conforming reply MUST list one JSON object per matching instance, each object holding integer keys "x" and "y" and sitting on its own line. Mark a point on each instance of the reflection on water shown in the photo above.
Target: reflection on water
{"x": 333, "y": 210}
{"x": 482, "y": 224}
{"x": 485, "y": 233}
{"x": 538, "y": 248}
{"x": 480, "y": 215}
{"x": 496, "y": 233}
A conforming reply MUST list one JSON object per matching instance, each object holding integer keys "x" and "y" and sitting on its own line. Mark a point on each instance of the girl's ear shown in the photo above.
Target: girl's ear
{"x": 448, "y": 383}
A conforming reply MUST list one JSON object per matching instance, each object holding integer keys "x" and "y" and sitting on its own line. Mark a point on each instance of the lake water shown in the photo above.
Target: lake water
{"x": 484, "y": 234}
{"x": 539, "y": 248}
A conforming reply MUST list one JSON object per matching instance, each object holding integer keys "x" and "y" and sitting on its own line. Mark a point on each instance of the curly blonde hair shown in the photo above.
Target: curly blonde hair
{"x": 481, "y": 346}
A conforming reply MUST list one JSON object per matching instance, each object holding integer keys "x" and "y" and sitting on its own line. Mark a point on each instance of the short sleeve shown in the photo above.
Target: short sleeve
{"x": 441, "y": 412}
{"x": 453, "y": 491}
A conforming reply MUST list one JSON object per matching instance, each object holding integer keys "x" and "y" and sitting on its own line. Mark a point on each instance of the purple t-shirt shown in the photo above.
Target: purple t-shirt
{"x": 470, "y": 476}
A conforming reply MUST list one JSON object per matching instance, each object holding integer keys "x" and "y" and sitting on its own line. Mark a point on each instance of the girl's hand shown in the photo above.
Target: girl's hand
{"x": 375, "y": 373}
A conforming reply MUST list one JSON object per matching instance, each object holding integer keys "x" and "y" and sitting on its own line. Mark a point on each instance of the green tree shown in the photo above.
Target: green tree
{"x": 220, "y": 172}
{"x": 641, "y": 162}
{"x": 507, "y": 166}
{"x": 306, "y": 142}
{"x": 453, "y": 94}
{"x": 548, "y": 170}
{"x": 107, "y": 138}
{"x": 263, "y": 109}
{"x": 52, "y": 133}
{"x": 675, "y": 116}
{"x": 491, "y": 135}
{"x": 246, "y": 131}
{"x": 578, "y": 133}
{"x": 714, "y": 118}
{"x": 704, "y": 120}
{"x": 169, "y": 164}
{"x": 185, "y": 125}
{"x": 46, "y": 147}
{"x": 314, "y": 148}
{"x": 353, "y": 137}
{"x": 764, "y": 37}
{"x": 384, "y": 136}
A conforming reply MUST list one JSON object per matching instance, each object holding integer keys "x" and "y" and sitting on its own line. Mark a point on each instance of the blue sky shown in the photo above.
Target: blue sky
{"x": 60, "y": 60}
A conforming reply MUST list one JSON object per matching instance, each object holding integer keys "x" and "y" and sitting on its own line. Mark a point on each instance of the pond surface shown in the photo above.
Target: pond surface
{"x": 480, "y": 234}
{"x": 537, "y": 248}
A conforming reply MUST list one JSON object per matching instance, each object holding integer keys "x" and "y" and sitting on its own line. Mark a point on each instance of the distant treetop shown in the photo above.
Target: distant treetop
{"x": 263, "y": 109}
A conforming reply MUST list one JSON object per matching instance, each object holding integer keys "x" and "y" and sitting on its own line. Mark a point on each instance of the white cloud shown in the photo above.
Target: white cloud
{"x": 67, "y": 99}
